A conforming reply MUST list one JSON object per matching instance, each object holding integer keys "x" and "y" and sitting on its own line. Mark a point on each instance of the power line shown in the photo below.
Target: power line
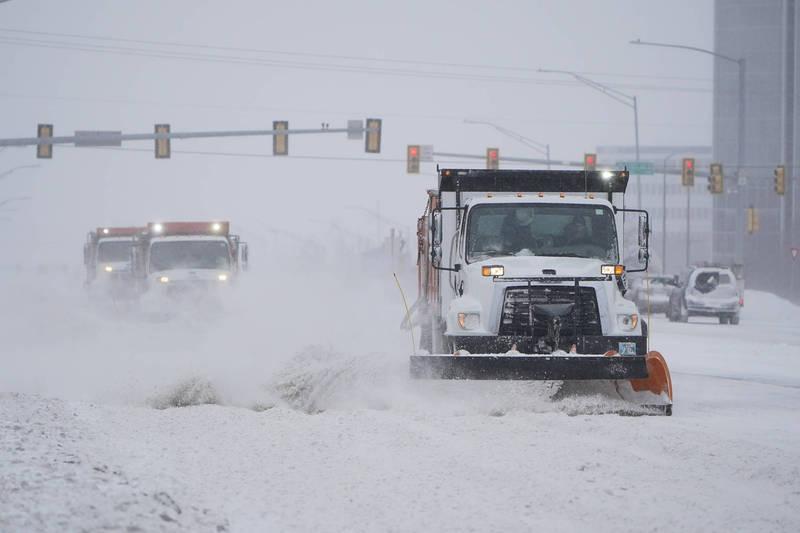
{"x": 453, "y": 118}
{"x": 330, "y": 56}
{"x": 353, "y": 69}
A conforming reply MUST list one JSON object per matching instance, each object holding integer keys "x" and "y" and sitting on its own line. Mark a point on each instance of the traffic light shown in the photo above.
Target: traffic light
{"x": 280, "y": 141}
{"x": 687, "y": 172}
{"x": 412, "y": 159}
{"x": 715, "y": 179}
{"x": 44, "y": 151}
{"x": 163, "y": 148}
{"x": 492, "y": 158}
{"x": 780, "y": 180}
{"x": 373, "y": 142}
{"x": 589, "y": 162}
{"x": 753, "y": 224}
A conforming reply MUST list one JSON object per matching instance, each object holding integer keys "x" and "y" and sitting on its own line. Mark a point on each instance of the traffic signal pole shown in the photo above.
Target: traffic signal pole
{"x": 115, "y": 138}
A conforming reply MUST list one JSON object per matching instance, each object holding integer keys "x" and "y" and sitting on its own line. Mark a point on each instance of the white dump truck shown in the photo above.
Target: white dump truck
{"x": 107, "y": 259}
{"x": 522, "y": 275}
{"x": 176, "y": 258}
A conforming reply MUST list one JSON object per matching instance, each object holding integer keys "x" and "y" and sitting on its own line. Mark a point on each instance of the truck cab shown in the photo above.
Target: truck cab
{"x": 529, "y": 262}
{"x": 180, "y": 257}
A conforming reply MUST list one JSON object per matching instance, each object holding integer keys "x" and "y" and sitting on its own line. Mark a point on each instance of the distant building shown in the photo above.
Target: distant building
{"x": 665, "y": 199}
{"x": 765, "y": 35}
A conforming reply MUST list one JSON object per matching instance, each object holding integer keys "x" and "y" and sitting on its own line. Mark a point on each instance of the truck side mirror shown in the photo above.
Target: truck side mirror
{"x": 436, "y": 227}
{"x": 644, "y": 255}
{"x": 436, "y": 235}
{"x": 244, "y": 251}
{"x": 86, "y": 254}
{"x": 644, "y": 230}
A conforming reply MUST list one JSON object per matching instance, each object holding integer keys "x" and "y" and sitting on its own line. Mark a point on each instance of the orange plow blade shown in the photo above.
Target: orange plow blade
{"x": 658, "y": 380}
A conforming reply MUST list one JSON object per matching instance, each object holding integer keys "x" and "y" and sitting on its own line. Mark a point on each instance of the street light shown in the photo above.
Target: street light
{"x": 740, "y": 148}
{"x": 622, "y": 98}
{"x": 542, "y": 148}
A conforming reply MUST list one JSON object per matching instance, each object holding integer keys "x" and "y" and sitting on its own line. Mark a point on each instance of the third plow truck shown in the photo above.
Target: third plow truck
{"x": 521, "y": 277}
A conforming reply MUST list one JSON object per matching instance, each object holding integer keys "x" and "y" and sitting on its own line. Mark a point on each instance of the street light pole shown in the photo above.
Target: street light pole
{"x": 624, "y": 99}
{"x": 664, "y": 214}
{"x": 740, "y": 149}
{"x": 530, "y": 143}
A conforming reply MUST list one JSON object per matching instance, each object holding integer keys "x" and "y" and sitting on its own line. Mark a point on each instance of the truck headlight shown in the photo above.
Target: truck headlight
{"x": 612, "y": 270}
{"x": 628, "y": 322}
{"x": 493, "y": 270}
{"x": 163, "y": 279}
{"x": 108, "y": 268}
{"x": 222, "y": 277}
{"x": 469, "y": 320}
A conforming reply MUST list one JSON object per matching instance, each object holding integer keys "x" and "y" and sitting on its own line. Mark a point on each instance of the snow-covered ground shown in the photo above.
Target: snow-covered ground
{"x": 318, "y": 428}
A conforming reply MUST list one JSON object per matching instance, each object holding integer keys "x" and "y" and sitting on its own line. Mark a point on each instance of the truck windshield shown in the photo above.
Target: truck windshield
{"x": 544, "y": 230}
{"x": 189, "y": 254}
{"x": 114, "y": 251}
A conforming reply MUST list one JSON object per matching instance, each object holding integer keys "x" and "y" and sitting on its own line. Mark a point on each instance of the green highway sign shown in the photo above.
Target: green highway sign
{"x": 637, "y": 167}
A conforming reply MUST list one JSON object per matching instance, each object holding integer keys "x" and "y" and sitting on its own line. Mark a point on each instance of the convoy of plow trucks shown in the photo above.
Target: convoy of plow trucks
{"x": 521, "y": 276}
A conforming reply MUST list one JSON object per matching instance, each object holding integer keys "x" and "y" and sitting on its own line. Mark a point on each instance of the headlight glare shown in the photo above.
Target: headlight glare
{"x": 222, "y": 277}
{"x": 163, "y": 279}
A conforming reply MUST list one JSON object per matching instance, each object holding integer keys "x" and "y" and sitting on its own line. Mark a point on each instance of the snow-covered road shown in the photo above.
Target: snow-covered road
{"x": 341, "y": 440}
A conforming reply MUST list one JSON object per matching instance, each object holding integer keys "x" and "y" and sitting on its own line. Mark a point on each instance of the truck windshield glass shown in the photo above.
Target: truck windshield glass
{"x": 542, "y": 230}
{"x": 189, "y": 254}
{"x": 114, "y": 252}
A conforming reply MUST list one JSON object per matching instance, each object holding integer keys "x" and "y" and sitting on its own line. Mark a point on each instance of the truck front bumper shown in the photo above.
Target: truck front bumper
{"x": 585, "y": 344}
{"x": 527, "y": 367}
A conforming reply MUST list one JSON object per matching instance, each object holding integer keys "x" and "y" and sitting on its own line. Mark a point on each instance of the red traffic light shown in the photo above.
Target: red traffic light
{"x": 492, "y": 154}
{"x": 689, "y": 163}
{"x": 412, "y": 151}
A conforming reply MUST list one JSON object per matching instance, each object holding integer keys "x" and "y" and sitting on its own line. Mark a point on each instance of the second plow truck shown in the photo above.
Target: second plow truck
{"x": 174, "y": 259}
{"x": 521, "y": 277}
{"x": 107, "y": 258}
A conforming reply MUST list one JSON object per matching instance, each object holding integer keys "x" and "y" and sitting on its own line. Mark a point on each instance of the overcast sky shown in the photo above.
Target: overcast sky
{"x": 311, "y": 68}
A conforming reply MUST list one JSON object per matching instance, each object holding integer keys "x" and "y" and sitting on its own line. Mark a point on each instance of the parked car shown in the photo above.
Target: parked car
{"x": 656, "y": 289}
{"x": 706, "y": 291}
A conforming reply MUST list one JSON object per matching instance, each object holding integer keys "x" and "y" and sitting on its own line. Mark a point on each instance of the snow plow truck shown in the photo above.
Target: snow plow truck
{"x": 521, "y": 277}
{"x": 179, "y": 258}
{"x": 107, "y": 258}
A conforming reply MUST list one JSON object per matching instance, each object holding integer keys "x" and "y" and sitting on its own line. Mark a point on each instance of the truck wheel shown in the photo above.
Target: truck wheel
{"x": 734, "y": 320}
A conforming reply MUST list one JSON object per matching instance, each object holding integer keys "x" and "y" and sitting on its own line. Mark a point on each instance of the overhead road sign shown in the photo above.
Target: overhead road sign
{"x": 645, "y": 168}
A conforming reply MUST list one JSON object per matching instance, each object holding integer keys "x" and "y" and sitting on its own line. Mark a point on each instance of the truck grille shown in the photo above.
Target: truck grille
{"x": 515, "y": 317}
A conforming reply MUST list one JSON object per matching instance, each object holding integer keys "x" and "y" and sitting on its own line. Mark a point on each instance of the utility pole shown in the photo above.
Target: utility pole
{"x": 664, "y": 214}
{"x": 624, "y": 99}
